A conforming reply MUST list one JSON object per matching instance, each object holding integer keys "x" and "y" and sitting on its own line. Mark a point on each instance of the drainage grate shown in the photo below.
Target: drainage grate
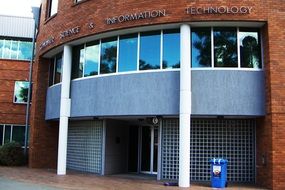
{"x": 84, "y": 146}
{"x": 232, "y": 139}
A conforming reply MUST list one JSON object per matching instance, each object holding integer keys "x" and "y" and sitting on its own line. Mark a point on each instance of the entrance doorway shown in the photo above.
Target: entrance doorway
{"x": 143, "y": 149}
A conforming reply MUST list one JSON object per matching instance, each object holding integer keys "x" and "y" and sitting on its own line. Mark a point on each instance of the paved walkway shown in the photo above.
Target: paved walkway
{"x": 22, "y": 178}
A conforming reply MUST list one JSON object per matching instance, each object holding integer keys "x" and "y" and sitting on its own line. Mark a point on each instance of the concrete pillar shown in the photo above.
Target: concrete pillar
{"x": 64, "y": 110}
{"x": 185, "y": 107}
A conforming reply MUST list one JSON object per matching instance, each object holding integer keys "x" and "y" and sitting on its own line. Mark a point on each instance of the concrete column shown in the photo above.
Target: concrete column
{"x": 64, "y": 110}
{"x": 185, "y": 107}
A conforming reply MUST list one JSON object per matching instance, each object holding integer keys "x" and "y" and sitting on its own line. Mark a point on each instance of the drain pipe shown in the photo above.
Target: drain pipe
{"x": 27, "y": 119}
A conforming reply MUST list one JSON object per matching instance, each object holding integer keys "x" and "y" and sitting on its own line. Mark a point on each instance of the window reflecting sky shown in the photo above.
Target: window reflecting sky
{"x": 108, "y": 56}
{"x": 201, "y": 47}
{"x": 91, "y": 59}
{"x": 128, "y": 53}
{"x": 150, "y": 50}
{"x": 171, "y": 49}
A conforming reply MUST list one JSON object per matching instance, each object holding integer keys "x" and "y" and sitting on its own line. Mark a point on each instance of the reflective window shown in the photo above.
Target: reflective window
{"x": 1, "y": 134}
{"x": 7, "y": 49}
{"x": 7, "y": 135}
{"x": 201, "y": 47}
{"x": 25, "y": 50}
{"x": 249, "y": 49}
{"x": 21, "y": 92}
{"x": 1, "y": 47}
{"x": 58, "y": 69}
{"x": 149, "y": 50}
{"x": 51, "y": 74}
{"x": 128, "y": 53}
{"x": 91, "y": 59}
{"x": 53, "y": 5}
{"x": 225, "y": 47}
{"x": 19, "y": 134}
{"x": 171, "y": 49}
{"x": 108, "y": 56}
{"x": 14, "y": 49}
{"x": 78, "y": 54}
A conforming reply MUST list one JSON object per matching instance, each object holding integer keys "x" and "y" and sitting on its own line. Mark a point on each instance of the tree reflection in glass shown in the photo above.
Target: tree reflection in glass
{"x": 149, "y": 50}
{"x": 249, "y": 49}
{"x": 201, "y": 47}
{"x": 91, "y": 59}
{"x": 171, "y": 49}
{"x": 128, "y": 53}
{"x": 108, "y": 56}
{"x": 225, "y": 47}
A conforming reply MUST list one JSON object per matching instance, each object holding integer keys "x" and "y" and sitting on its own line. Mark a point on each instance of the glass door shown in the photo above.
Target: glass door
{"x": 149, "y": 149}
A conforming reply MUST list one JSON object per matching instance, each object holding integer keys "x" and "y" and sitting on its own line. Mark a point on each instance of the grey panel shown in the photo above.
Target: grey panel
{"x": 53, "y": 102}
{"x": 214, "y": 92}
{"x": 228, "y": 92}
{"x": 13, "y": 26}
{"x": 231, "y": 139}
{"x": 130, "y": 94}
{"x": 84, "y": 146}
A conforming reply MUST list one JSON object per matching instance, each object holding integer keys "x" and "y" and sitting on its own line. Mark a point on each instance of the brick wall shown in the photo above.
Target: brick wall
{"x": 11, "y": 71}
{"x": 270, "y": 130}
{"x": 43, "y": 135}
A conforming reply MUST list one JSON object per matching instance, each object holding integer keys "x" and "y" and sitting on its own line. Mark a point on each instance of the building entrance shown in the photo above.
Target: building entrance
{"x": 143, "y": 149}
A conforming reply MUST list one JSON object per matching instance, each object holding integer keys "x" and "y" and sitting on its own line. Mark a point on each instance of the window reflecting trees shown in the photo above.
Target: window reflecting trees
{"x": 108, "y": 56}
{"x": 225, "y": 47}
{"x": 171, "y": 49}
{"x": 249, "y": 48}
{"x": 213, "y": 47}
{"x": 128, "y": 53}
{"x": 149, "y": 50}
{"x": 201, "y": 47}
{"x": 91, "y": 59}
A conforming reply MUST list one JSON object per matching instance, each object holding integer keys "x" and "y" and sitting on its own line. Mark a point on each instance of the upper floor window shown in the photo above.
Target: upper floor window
{"x": 21, "y": 92}
{"x": 52, "y": 8}
{"x": 15, "y": 49}
{"x": 55, "y": 70}
{"x": 225, "y": 47}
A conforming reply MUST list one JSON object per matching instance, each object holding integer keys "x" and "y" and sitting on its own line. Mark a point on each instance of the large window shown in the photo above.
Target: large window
{"x": 249, "y": 42}
{"x": 128, "y": 53}
{"x": 218, "y": 47}
{"x": 9, "y": 133}
{"x": 149, "y": 50}
{"x": 15, "y": 49}
{"x": 201, "y": 47}
{"x": 55, "y": 70}
{"x": 21, "y": 92}
{"x": 171, "y": 41}
{"x": 211, "y": 47}
{"x": 225, "y": 47}
{"x": 52, "y": 7}
{"x": 91, "y": 59}
{"x": 108, "y": 59}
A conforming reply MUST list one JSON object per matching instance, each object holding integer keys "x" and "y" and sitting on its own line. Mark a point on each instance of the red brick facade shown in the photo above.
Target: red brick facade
{"x": 11, "y": 71}
{"x": 270, "y": 130}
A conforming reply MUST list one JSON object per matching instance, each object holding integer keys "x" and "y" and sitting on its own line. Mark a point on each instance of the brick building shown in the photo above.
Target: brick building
{"x": 116, "y": 83}
{"x": 16, "y": 34}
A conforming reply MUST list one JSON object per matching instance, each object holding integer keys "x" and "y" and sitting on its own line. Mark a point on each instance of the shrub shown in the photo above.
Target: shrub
{"x": 11, "y": 154}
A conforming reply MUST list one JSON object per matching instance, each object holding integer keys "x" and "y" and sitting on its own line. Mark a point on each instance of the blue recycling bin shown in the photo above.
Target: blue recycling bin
{"x": 218, "y": 172}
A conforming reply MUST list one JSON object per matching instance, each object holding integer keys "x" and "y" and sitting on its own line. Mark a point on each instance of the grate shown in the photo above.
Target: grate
{"x": 84, "y": 146}
{"x": 232, "y": 139}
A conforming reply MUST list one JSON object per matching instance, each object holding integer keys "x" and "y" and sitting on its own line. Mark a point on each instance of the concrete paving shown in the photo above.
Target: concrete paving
{"x": 7, "y": 184}
{"x": 23, "y": 178}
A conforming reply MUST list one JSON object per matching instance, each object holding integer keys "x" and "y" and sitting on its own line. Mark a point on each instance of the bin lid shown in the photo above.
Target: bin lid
{"x": 218, "y": 161}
